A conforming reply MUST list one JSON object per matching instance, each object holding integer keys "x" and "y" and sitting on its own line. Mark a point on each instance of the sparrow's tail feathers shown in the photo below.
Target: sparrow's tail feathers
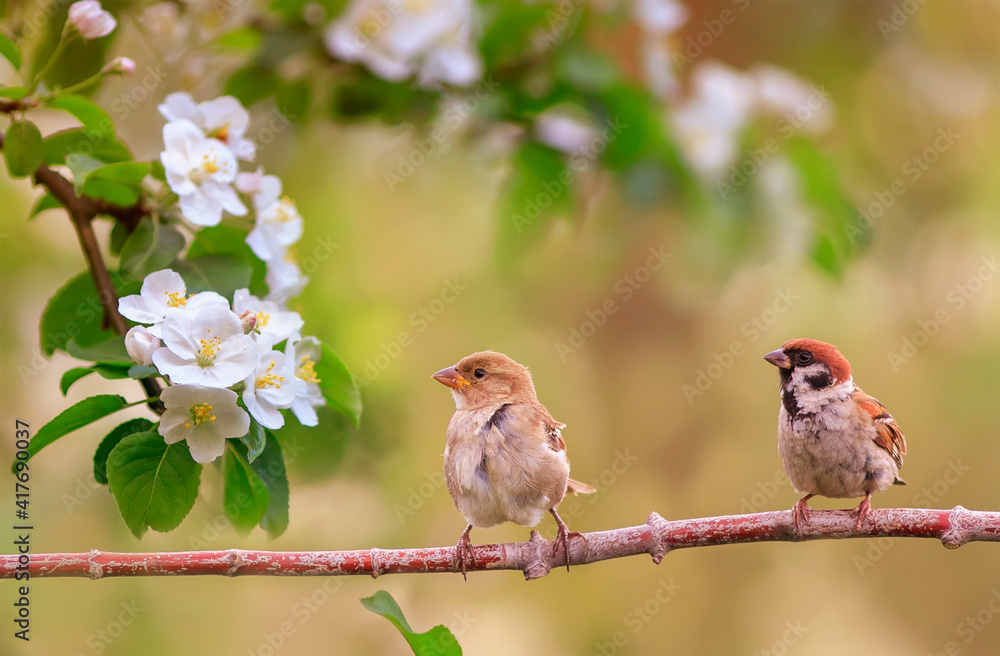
{"x": 576, "y": 487}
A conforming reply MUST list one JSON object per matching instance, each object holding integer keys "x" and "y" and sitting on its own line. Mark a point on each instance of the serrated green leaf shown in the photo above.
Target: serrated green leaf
{"x": 439, "y": 641}
{"x": 76, "y": 416}
{"x": 270, "y": 467}
{"x": 138, "y": 371}
{"x": 87, "y": 112}
{"x": 157, "y": 171}
{"x": 246, "y": 496}
{"x": 75, "y": 312}
{"x": 22, "y": 149}
{"x": 338, "y": 386}
{"x": 111, "y": 349}
{"x": 154, "y": 483}
{"x": 10, "y": 51}
{"x": 220, "y": 274}
{"x": 71, "y": 376}
{"x": 81, "y": 166}
{"x": 230, "y": 241}
{"x": 45, "y": 202}
{"x": 64, "y": 143}
{"x": 152, "y": 246}
{"x": 254, "y": 440}
{"x": 111, "y": 440}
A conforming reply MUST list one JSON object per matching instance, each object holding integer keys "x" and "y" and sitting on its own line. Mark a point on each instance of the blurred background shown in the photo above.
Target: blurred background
{"x": 642, "y": 301}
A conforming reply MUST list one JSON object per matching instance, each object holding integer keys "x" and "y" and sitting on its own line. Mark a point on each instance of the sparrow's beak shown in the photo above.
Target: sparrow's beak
{"x": 778, "y": 359}
{"x": 451, "y": 378}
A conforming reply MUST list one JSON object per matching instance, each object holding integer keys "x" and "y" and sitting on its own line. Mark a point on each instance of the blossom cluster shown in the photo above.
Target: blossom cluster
{"x": 203, "y": 143}
{"x": 214, "y": 355}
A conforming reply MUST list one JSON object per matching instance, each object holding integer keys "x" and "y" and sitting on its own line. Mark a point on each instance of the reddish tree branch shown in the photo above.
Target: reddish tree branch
{"x": 535, "y": 558}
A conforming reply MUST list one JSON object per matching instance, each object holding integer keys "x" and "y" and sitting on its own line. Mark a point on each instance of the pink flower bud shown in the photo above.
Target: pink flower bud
{"x": 120, "y": 66}
{"x": 90, "y": 20}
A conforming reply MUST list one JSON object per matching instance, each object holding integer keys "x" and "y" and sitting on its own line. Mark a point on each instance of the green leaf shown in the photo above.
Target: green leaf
{"x": 157, "y": 171}
{"x": 111, "y": 349}
{"x": 138, "y": 371}
{"x": 76, "y": 313}
{"x": 119, "y": 234}
{"x": 45, "y": 202}
{"x": 293, "y": 98}
{"x": 14, "y": 93}
{"x": 10, "y": 51}
{"x": 22, "y": 149}
{"x": 220, "y": 274}
{"x": 254, "y": 440}
{"x": 154, "y": 483}
{"x": 72, "y": 376}
{"x": 338, "y": 386}
{"x": 111, "y": 440}
{"x": 151, "y": 246}
{"x": 243, "y": 38}
{"x": 61, "y": 145}
{"x": 118, "y": 183}
{"x": 81, "y": 166}
{"x": 439, "y": 641}
{"x": 76, "y": 416}
{"x": 251, "y": 84}
{"x": 87, "y": 112}
{"x": 230, "y": 241}
{"x": 270, "y": 467}
{"x": 246, "y": 497}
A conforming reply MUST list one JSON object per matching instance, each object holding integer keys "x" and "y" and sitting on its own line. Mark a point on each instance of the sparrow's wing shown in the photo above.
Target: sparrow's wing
{"x": 887, "y": 433}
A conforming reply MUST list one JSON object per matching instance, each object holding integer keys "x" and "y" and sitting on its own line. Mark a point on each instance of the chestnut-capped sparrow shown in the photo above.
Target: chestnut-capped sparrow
{"x": 505, "y": 459}
{"x": 834, "y": 440}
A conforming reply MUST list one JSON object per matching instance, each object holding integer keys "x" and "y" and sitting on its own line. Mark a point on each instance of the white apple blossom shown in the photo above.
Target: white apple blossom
{"x": 284, "y": 278}
{"x": 199, "y": 170}
{"x": 658, "y": 19}
{"x": 206, "y": 348}
{"x": 90, "y": 20}
{"x": 302, "y": 357}
{"x": 140, "y": 345}
{"x": 204, "y": 417}
{"x": 708, "y": 123}
{"x": 564, "y": 129}
{"x": 270, "y": 387}
{"x": 397, "y": 38}
{"x": 222, "y": 118}
{"x": 780, "y": 93}
{"x": 278, "y": 223}
{"x": 273, "y": 323}
{"x": 161, "y": 292}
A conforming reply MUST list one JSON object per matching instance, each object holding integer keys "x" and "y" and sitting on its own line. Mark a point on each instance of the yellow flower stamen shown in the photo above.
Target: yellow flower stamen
{"x": 175, "y": 299}
{"x": 269, "y": 379}
{"x": 262, "y": 319}
{"x": 209, "y": 164}
{"x": 200, "y": 413}
{"x": 209, "y": 349}
{"x": 307, "y": 370}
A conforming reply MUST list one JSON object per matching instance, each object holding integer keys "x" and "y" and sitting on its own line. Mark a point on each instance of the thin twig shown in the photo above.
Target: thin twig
{"x": 535, "y": 558}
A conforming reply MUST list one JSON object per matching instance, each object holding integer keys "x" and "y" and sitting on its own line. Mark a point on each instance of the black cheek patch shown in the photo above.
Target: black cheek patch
{"x": 791, "y": 406}
{"x": 820, "y": 380}
{"x": 498, "y": 418}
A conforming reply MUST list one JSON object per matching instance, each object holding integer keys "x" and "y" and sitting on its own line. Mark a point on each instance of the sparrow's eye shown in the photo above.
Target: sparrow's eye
{"x": 805, "y": 357}
{"x": 479, "y": 373}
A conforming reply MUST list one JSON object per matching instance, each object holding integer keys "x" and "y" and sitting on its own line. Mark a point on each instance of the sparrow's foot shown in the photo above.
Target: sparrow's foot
{"x": 562, "y": 537}
{"x": 463, "y": 551}
{"x": 800, "y": 512}
{"x": 863, "y": 510}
